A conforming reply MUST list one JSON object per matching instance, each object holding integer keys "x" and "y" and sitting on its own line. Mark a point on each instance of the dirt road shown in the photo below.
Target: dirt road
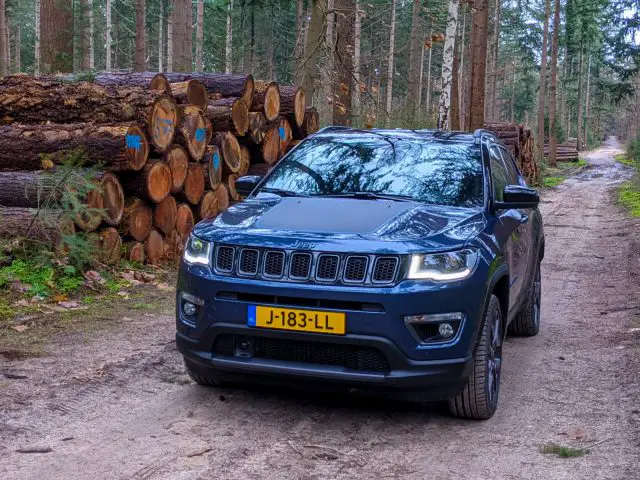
{"x": 117, "y": 404}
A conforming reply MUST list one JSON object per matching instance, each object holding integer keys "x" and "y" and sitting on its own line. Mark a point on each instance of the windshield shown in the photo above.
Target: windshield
{"x": 429, "y": 171}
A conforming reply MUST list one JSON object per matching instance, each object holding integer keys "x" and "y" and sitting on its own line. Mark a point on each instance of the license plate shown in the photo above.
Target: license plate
{"x": 298, "y": 320}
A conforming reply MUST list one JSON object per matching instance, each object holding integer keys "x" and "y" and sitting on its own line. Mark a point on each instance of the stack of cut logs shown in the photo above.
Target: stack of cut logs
{"x": 165, "y": 151}
{"x": 565, "y": 152}
{"x": 519, "y": 140}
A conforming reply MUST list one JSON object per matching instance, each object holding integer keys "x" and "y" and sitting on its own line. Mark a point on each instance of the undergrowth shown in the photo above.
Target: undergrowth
{"x": 563, "y": 452}
{"x": 552, "y": 177}
{"x": 629, "y": 192}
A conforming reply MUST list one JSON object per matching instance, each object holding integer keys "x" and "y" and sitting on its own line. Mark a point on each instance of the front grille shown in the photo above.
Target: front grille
{"x": 300, "y": 266}
{"x": 224, "y": 259}
{"x": 355, "y": 269}
{"x": 350, "y": 357}
{"x": 385, "y": 270}
{"x": 248, "y": 262}
{"x": 274, "y": 264}
{"x": 327, "y": 270}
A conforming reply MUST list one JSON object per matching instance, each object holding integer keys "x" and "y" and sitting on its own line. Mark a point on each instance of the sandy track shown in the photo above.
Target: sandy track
{"x": 118, "y": 405}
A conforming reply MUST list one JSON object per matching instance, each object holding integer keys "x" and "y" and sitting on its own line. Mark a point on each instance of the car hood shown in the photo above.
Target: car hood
{"x": 343, "y": 224}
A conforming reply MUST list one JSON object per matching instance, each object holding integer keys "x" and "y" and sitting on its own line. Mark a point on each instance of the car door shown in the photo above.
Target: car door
{"x": 513, "y": 222}
{"x": 523, "y": 250}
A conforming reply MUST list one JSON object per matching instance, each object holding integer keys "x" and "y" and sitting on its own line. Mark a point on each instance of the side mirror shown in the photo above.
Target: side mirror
{"x": 517, "y": 196}
{"x": 245, "y": 185}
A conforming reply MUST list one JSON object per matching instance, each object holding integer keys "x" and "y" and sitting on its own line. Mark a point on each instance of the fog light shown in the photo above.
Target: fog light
{"x": 189, "y": 309}
{"x": 445, "y": 330}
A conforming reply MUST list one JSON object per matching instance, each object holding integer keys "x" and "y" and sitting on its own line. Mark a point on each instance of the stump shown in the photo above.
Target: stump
{"x": 153, "y": 183}
{"x": 165, "y": 215}
{"x": 229, "y": 114}
{"x": 208, "y": 207}
{"x": 154, "y": 247}
{"x": 194, "y": 184}
{"x": 184, "y": 220}
{"x": 293, "y": 102}
{"x": 33, "y": 147}
{"x": 192, "y": 133}
{"x": 266, "y": 99}
{"x": 177, "y": 159}
{"x": 137, "y": 219}
{"x": 230, "y": 150}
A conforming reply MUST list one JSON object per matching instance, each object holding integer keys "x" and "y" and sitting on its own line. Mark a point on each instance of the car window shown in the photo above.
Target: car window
{"x": 512, "y": 171}
{"x": 426, "y": 170}
{"x": 499, "y": 175}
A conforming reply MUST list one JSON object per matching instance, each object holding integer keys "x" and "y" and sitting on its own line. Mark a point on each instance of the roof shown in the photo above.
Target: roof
{"x": 422, "y": 134}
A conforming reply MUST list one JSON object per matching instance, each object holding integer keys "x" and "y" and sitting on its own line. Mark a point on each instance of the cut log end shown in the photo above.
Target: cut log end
{"x": 178, "y": 160}
{"x": 240, "y": 116}
{"x": 160, "y": 83}
{"x": 184, "y": 220}
{"x": 194, "y": 184}
{"x": 285, "y": 133}
{"x": 245, "y": 160}
{"x": 248, "y": 90}
{"x": 270, "y": 147}
{"x": 230, "y": 150}
{"x": 158, "y": 181}
{"x": 90, "y": 217}
{"x": 231, "y": 187}
{"x": 222, "y": 194}
{"x": 137, "y": 219}
{"x": 300, "y": 102}
{"x": 165, "y": 215}
{"x": 193, "y": 133}
{"x": 208, "y": 206}
{"x": 113, "y": 199}
{"x": 134, "y": 251}
{"x": 154, "y": 247}
{"x": 137, "y": 147}
{"x": 213, "y": 166}
{"x": 257, "y": 126}
{"x": 163, "y": 121}
{"x": 110, "y": 245}
{"x": 197, "y": 94}
{"x": 267, "y": 99}
{"x": 311, "y": 121}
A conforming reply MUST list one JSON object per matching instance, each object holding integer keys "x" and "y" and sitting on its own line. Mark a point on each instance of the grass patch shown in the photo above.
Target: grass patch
{"x": 563, "y": 452}
{"x": 552, "y": 177}
{"x": 550, "y": 182}
{"x": 142, "y": 306}
{"x": 629, "y": 196}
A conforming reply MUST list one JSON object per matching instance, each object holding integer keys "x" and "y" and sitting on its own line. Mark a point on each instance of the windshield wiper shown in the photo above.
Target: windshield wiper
{"x": 369, "y": 196}
{"x": 282, "y": 193}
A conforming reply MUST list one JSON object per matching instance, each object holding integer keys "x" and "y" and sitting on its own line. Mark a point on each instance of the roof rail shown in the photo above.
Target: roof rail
{"x": 480, "y": 132}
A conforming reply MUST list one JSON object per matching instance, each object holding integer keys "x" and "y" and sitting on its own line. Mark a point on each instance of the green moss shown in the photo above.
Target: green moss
{"x": 623, "y": 159}
{"x": 550, "y": 182}
{"x": 629, "y": 197}
{"x": 563, "y": 452}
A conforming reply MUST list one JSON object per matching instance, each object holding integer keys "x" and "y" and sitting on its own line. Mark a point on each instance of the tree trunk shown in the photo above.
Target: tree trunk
{"x": 414, "y": 58}
{"x": 137, "y": 219}
{"x": 48, "y": 226}
{"x": 579, "y": 117}
{"x": 298, "y": 50}
{"x": 165, "y": 215}
{"x": 17, "y": 55}
{"x": 182, "y": 21}
{"x": 454, "y": 112}
{"x": 194, "y": 184}
{"x": 170, "y": 40}
{"x": 160, "y": 37}
{"x": 357, "y": 35}
{"x": 220, "y": 84}
{"x": 140, "y": 60}
{"x": 36, "y": 41}
{"x": 266, "y": 99}
{"x": 153, "y": 182}
{"x": 229, "y": 114}
{"x": 586, "y": 108}
{"x": 108, "y": 36}
{"x": 543, "y": 80}
{"x": 314, "y": 37}
{"x": 184, "y": 219}
{"x": 32, "y": 147}
{"x": 421, "y": 77}
{"x": 208, "y": 207}
{"x": 228, "y": 52}
{"x": 199, "y": 35}
{"x": 447, "y": 66}
{"x": 178, "y": 160}
{"x": 344, "y": 64}
{"x": 391, "y": 69}
{"x": 479, "y": 63}
{"x": 292, "y": 103}
{"x": 462, "y": 78}
{"x": 4, "y": 59}
{"x": 56, "y": 35}
{"x": 193, "y": 132}
{"x": 496, "y": 44}
{"x": 229, "y": 149}
{"x": 120, "y": 79}
{"x": 428, "y": 102}
{"x": 553, "y": 137}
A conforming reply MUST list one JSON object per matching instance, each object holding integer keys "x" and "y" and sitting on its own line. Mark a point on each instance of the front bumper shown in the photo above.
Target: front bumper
{"x": 439, "y": 368}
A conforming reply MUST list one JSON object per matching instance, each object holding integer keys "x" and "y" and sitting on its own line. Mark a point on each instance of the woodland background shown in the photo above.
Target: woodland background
{"x": 394, "y": 63}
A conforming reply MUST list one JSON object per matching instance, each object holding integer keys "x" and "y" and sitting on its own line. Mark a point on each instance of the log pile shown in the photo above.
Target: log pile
{"x": 519, "y": 140}
{"x": 160, "y": 151}
{"x": 565, "y": 152}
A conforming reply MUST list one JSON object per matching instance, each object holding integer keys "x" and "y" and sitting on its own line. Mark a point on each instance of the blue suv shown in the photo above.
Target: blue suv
{"x": 381, "y": 260}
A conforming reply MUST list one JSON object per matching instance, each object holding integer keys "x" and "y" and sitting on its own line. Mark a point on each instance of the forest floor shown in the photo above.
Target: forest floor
{"x": 109, "y": 398}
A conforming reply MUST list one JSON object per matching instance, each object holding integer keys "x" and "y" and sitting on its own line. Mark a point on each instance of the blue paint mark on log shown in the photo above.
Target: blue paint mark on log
{"x": 134, "y": 141}
{"x": 216, "y": 161}
{"x": 281, "y": 131}
{"x": 200, "y": 134}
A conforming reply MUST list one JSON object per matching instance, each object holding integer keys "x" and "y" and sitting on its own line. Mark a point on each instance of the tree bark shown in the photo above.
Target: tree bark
{"x": 454, "y": 111}
{"x": 160, "y": 37}
{"x": 108, "y": 36}
{"x": 447, "y": 66}
{"x": 586, "y": 107}
{"x": 182, "y": 21}
{"x": 178, "y": 160}
{"x": 153, "y": 182}
{"x": 17, "y": 56}
{"x": 220, "y": 84}
{"x": 4, "y": 59}
{"x": 165, "y": 215}
{"x": 266, "y": 99}
{"x": 228, "y": 52}
{"x": 391, "y": 69}
{"x": 199, "y": 35}
{"x": 137, "y": 219}
{"x": 357, "y": 37}
{"x": 478, "y": 66}
{"x": 170, "y": 40}
{"x": 579, "y": 117}
{"x": 228, "y": 114}
{"x": 344, "y": 64}
{"x": 292, "y": 103}
{"x": 56, "y": 35}
{"x": 496, "y": 44}
{"x": 312, "y": 49}
{"x": 428, "y": 102}
{"x": 32, "y": 147}
{"x": 140, "y": 60}
{"x": 553, "y": 137}
{"x": 48, "y": 226}
{"x": 414, "y": 58}
{"x": 543, "y": 80}
{"x": 36, "y": 40}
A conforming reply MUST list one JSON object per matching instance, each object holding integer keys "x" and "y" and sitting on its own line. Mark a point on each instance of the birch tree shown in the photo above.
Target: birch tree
{"x": 447, "y": 65}
{"x": 228, "y": 52}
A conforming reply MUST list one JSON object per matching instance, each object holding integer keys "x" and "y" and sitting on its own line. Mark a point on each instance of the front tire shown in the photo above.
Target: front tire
{"x": 527, "y": 322}
{"x": 207, "y": 380}
{"x": 479, "y": 399}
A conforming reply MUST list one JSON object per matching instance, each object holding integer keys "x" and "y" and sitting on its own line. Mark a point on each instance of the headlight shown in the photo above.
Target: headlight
{"x": 443, "y": 267}
{"x": 197, "y": 251}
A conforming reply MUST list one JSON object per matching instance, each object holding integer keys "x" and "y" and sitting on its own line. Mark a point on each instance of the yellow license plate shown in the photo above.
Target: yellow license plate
{"x": 298, "y": 320}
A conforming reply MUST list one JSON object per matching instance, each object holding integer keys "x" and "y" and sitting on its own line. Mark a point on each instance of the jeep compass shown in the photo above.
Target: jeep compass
{"x": 380, "y": 260}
